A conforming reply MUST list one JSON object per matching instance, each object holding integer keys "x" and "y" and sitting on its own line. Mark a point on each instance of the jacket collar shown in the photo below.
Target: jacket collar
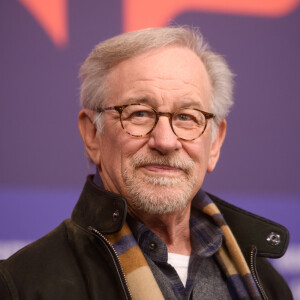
{"x": 101, "y": 209}
{"x": 271, "y": 239}
{"x": 106, "y": 212}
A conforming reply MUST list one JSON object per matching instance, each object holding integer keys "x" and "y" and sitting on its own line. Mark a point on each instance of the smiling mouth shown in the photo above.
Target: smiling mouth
{"x": 161, "y": 168}
{"x": 154, "y": 165}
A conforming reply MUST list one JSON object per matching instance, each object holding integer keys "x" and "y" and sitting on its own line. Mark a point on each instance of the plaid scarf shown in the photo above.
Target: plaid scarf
{"x": 142, "y": 284}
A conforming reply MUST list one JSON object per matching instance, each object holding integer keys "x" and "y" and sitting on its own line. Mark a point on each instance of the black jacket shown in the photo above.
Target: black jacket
{"x": 74, "y": 261}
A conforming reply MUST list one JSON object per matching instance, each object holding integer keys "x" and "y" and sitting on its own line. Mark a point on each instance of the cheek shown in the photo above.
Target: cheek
{"x": 109, "y": 151}
{"x": 123, "y": 149}
{"x": 130, "y": 146}
{"x": 198, "y": 151}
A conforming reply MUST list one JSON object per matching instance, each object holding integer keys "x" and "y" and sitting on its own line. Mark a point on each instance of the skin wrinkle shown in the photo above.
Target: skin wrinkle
{"x": 161, "y": 86}
{"x": 162, "y": 78}
{"x": 206, "y": 88}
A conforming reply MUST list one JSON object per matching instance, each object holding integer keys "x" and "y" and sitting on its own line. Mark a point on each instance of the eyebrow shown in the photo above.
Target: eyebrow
{"x": 149, "y": 101}
{"x": 141, "y": 100}
{"x": 191, "y": 103}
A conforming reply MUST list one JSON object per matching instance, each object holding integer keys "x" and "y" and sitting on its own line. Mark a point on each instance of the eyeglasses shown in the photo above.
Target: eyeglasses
{"x": 140, "y": 120}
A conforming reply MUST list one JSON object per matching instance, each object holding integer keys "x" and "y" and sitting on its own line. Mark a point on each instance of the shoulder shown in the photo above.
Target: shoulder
{"x": 39, "y": 266}
{"x": 40, "y": 249}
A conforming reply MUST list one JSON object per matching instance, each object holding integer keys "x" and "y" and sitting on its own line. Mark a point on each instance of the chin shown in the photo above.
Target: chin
{"x": 157, "y": 204}
{"x": 160, "y": 195}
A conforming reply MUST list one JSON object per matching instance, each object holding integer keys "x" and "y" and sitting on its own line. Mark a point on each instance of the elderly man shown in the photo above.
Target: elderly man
{"x": 153, "y": 122}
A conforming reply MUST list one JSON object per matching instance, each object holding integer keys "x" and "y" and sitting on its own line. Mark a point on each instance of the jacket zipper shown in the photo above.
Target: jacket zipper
{"x": 116, "y": 261}
{"x": 253, "y": 253}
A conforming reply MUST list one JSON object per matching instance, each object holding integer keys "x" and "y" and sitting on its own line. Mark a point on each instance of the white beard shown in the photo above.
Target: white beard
{"x": 159, "y": 194}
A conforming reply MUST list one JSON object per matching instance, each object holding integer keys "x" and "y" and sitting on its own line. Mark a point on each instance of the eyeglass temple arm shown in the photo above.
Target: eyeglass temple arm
{"x": 208, "y": 115}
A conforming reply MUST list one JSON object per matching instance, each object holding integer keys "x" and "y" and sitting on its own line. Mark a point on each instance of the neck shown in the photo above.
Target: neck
{"x": 173, "y": 229}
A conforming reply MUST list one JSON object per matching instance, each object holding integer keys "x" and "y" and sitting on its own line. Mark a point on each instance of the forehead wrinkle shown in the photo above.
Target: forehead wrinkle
{"x": 154, "y": 82}
{"x": 155, "y": 93}
{"x": 201, "y": 89}
{"x": 163, "y": 80}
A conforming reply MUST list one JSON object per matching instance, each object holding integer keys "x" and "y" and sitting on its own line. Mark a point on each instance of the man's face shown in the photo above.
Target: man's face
{"x": 158, "y": 173}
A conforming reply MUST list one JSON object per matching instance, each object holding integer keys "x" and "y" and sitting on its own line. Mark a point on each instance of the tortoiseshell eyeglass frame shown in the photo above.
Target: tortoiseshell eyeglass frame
{"x": 158, "y": 114}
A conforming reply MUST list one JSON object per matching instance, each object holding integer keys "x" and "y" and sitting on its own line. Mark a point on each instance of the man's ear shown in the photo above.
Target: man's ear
{"x": 216, "y": 146}
{"x": 89, "y": 136}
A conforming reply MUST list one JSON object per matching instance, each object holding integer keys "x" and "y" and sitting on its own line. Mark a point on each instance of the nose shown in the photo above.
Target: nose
{"x": 162, "y": 138}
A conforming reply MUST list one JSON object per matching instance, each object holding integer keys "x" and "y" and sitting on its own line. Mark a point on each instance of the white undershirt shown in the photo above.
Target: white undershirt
{"x": 180, "y": 264}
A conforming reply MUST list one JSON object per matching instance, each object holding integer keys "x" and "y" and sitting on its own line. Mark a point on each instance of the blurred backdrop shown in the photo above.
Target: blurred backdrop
{"x": 42, "y": 161}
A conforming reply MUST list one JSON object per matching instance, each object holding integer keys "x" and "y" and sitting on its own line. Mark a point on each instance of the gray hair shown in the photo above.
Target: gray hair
{"x": 111, "y": 52}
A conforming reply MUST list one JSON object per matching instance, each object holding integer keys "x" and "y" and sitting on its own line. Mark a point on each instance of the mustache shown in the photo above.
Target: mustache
{"x": 173, "y": 160}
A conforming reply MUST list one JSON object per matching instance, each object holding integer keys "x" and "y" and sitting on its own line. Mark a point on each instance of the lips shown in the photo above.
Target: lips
{"x": 161, "y": 168}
